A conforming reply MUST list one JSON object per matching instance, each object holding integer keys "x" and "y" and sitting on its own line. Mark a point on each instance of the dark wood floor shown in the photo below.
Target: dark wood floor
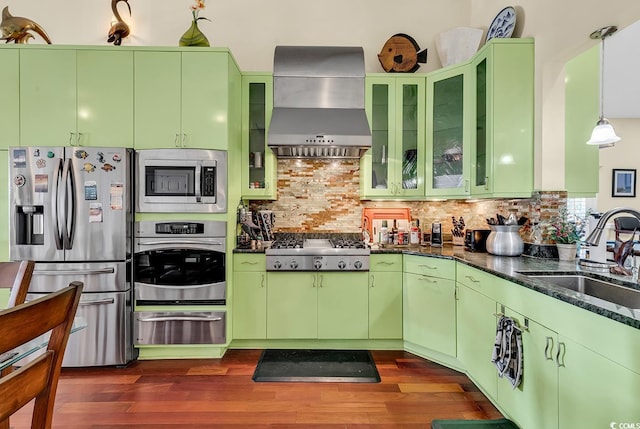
{"x": 219, "y": 393}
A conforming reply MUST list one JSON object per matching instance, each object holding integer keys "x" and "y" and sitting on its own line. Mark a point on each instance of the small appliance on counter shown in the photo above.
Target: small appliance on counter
{"x": 475, "y": 240}
{"x": 436, "y": 234}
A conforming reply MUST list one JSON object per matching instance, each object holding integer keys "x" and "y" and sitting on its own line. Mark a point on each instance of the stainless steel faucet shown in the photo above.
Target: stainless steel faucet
{"x": 594, "y": 236}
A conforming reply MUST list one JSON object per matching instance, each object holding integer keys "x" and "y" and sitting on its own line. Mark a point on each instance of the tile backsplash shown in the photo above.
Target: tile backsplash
{"x": 323, "y": 196}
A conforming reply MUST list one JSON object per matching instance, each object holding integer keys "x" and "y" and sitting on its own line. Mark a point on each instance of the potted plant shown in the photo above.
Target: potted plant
{"x": 565, "y": 231}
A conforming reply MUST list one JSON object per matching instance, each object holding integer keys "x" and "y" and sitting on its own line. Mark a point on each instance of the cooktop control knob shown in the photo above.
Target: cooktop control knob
{"x": 277, "y": 265}
{"x": 293, "y": 265}
{"x": 342, "y": 265}
{"x": 317, "y": 264}
{"x": 357, "y": 265}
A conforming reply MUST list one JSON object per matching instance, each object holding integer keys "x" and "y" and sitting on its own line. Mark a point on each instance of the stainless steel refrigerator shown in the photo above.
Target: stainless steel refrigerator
{"x": 72, "y": 212}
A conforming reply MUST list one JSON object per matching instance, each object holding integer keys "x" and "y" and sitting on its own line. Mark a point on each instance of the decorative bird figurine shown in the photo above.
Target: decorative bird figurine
{"x": 16, "y": 28}
{"x": 119, "y": 29}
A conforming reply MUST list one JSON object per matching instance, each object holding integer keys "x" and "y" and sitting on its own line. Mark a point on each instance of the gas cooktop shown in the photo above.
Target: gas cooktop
{"x": 317, "y": 254}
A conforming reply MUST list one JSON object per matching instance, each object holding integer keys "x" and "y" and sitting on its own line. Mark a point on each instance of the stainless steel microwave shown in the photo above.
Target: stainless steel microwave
{"x": 181, "y": 180}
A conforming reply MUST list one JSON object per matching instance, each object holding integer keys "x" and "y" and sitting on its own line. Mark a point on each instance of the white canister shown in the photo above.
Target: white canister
{"x": 257, "y": 159}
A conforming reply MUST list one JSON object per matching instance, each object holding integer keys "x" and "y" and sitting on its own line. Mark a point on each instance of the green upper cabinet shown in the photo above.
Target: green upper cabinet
{"x": 394, "y": 166}
{"x": 10, "y": 90}
{"x": 259, "y": 164}
{"x": 181, "y": 99}
{"x": 448, "y": 132}
{"x": 78, "y": 97}
{"x": 503, "y": 119}
{"x": 581, "y": 161}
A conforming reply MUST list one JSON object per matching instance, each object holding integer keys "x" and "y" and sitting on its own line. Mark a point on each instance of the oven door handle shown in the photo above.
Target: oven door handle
{"x": 177, "y": 242}
{"x": 198, "y": 286}
{"x": 180, "y": 319}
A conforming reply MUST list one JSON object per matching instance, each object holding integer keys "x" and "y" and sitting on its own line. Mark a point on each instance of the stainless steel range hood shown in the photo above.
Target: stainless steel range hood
{"x": 318, "y": 103}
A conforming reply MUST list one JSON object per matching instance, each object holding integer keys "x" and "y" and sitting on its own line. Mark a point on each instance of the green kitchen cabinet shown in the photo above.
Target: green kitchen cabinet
{"x": 292, "y": 305}
{"x": 306, "y": 305}
{"x": 182, "y": 98}
{"x": 259, "y": 164}
{"x": 429, "y": 303}
{"x": 76, "y": 97}
{"x": 476, "y": 335}
{"x": 582, "y": 101}
{"x": 503, "y": 104}
{"x": 343, "y": 305}
{"x": 4, "y": 209}
{"x": 394, "y": 166}
{"x": 249, "y": 296}
{"x": 10, "y": 90}
{"x": 449, "y": 132}
{"x": 595, "y": 392}
{"x": 385, "y": 296}
{"x": 534, "y": 403}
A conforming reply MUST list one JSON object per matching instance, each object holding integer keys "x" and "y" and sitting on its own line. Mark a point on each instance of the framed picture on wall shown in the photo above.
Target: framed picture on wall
{"x": 623, "y": 183}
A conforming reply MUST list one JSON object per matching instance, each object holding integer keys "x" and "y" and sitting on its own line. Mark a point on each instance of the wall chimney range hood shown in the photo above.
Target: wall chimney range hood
{"x": 318, "y": 103}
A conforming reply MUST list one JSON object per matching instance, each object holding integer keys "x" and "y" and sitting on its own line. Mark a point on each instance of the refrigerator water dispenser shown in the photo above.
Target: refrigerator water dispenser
{"x": 30, "y": 225}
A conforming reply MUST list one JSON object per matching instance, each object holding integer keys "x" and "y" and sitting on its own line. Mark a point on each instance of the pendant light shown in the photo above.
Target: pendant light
{"x": 603, "y": 134}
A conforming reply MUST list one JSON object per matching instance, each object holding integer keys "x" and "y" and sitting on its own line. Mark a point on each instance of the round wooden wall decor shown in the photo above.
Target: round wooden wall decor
{"x": 401, "y": 54}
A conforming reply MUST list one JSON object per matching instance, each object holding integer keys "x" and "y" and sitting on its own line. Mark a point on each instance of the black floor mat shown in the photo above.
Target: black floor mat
{"x": 351, "y": 366}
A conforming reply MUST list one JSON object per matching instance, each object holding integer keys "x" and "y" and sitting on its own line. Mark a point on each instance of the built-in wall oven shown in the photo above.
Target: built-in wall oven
{"x": 180, "y": 264}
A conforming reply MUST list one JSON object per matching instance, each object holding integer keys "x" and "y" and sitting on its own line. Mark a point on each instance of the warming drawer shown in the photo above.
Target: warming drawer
{"x": 179, "y": 327}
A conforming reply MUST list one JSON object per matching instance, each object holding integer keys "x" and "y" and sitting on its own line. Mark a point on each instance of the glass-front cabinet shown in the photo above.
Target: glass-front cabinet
{"x": 448, "y": 133}
{"x": 394, "y": 166}
{"x": 503, "y": 107}
{"x": 258, "y": 161}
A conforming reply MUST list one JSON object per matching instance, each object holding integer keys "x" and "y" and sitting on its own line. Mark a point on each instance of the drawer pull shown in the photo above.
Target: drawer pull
{"x": 428, "y": 280}
{"x": 249, "y": 263}
{"x": 560, "y": 355}
{"x": 472, "y": 279}
{"x": 428, "y": 267}
{"x": 180, "y": 319}
{"x": 385, "y": 263}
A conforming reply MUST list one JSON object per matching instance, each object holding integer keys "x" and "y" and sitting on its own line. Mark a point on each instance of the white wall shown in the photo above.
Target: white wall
{"x": 252, "y": 28}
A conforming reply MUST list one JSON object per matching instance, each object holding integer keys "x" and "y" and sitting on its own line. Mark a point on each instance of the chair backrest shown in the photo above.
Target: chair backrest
{"x": 625, "y": 225}
{"x": 17, "y": 277}
{"x": 38, "y": 379}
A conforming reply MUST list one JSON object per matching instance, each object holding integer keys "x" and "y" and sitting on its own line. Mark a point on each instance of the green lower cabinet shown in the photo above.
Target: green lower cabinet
{"x": 476, "y": 335}
{"x": 4, "y": 209}
{"x": 292, "y": 305}
{"x": 317, "y": 305}
{"x": 385, "y": 305}
{"x": 343, "y": 305}
{"x": 595, "y": 392}
{"x": 249, "y": 305}
{"x": 534, "y": 403}
{"x": 429, "y": 312}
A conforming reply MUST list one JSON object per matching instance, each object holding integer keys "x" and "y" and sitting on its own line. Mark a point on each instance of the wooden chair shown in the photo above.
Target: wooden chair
{"x": 38, "y": 379}
{"x": 17, "y": 277}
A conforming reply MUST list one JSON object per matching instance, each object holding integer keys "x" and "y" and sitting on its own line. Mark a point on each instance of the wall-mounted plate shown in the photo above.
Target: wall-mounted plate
{"x": 503, "y": 24}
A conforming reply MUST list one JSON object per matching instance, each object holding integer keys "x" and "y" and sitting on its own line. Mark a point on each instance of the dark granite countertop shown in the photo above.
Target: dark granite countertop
{"x": 510, "y": 268}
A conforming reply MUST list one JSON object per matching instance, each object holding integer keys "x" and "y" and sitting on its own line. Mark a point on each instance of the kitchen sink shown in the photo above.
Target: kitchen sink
{"x": 596, "y": 288}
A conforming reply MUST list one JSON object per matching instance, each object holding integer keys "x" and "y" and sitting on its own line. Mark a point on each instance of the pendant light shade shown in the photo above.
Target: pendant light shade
{"x": 603, "y": 134}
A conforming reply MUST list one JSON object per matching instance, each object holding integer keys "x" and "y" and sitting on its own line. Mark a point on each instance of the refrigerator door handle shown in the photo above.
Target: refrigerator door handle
{"x": 180, "y": 318}
{"x": 55, "y": 204}
{"x": 69, "y": 204}
{"x": 72, "y": 272}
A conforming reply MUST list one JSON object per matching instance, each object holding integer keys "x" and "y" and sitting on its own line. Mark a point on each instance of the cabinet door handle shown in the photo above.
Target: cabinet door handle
{"x": 486, "y": 183}
{"x": 79, "y": 139}
{"x": 472, "y": 279}
{"x": 321, "y": 280}
{"x": 262, "y": 280}
{"x": 548, "y": 349}
{"x": 373, "y": 280}
{"x": 71, "y": 138}
{"x": 176, "y": 141}
{"x": 184, "y": 139}
{"x": 560, "y": 354}
{"x": 466, "y": 185}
